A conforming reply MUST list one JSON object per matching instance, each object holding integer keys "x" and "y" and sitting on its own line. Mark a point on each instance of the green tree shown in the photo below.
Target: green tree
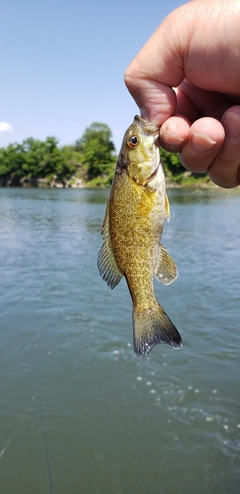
{"x": 35, "y": 159}
{"x": 97, "y": 150}
{"x": 11, "y": 161}
{"x": 172, "y": 163}
{"x": 34, "y": 151}
{"x": 176, "y": 172}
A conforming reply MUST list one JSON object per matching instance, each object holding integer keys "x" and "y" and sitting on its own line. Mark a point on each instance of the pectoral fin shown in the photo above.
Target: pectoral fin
{"x": 166, "y": 270}
{"x": 167, "y": 206}
{"x": 107, "y": 264}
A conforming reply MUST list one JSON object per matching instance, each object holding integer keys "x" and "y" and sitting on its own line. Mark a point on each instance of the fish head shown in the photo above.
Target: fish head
{"x": 139, "y": 154}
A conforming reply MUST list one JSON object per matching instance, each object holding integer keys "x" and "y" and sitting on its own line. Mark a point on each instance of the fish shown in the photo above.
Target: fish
{"x": 131, "y": 233}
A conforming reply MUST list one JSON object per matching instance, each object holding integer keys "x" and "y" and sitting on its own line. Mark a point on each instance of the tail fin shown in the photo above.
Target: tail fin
{"x": 153, "y": 326}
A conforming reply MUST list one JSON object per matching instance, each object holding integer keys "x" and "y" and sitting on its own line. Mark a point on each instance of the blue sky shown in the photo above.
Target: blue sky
{"x": 62, "y": 65}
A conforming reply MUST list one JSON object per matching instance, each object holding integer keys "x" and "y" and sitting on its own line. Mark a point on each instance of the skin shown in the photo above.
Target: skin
{"x": 196, "y": 50}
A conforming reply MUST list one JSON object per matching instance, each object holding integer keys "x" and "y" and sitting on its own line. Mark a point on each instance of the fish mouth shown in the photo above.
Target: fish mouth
{"x": 147, "y": 127}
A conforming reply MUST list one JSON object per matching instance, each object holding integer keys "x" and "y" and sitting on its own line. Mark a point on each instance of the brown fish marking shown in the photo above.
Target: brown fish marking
{"x": 132, "y": 230}
{"x": 121, "y": 164}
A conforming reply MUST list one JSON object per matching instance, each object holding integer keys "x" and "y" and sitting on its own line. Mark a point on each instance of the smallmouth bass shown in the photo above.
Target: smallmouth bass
{"x": 132, "y": 230}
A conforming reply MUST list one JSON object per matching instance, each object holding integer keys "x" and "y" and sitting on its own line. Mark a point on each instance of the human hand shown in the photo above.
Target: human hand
{"x": 197, "y": 51}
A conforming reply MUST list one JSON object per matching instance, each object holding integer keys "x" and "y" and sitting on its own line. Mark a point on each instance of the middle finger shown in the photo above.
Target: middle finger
{"x": 206, "y": 136}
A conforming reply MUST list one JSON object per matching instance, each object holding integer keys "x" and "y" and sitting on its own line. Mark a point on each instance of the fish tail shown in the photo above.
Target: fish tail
{"x": 152, "y": 326}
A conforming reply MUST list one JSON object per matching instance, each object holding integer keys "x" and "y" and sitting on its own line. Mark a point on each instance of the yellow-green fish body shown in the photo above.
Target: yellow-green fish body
{"x": 132, "y": 230}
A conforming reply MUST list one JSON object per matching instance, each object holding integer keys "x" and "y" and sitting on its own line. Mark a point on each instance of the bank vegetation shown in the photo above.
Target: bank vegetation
{"x": 89, "y": 162}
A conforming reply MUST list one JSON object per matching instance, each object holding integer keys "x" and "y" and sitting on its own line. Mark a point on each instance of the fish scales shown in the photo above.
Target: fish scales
{"x": 134, "y": 236}
{"x": 132, "y": 231}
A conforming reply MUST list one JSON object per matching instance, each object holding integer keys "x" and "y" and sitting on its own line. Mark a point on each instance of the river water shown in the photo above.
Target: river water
{"x": 80, "y": 414}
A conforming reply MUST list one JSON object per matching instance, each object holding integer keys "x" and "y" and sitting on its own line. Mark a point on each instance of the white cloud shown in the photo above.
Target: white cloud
{"x": 5, "y": 127}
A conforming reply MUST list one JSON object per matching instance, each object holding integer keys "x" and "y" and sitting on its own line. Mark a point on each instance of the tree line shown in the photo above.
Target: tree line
{"x": 91, "y": 159}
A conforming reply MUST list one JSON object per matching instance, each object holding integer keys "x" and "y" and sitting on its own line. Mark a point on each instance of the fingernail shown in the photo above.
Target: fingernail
{"x": 231, "y": 124}
{"x": 172, "y": 139}
{"x": 201, "y": 142}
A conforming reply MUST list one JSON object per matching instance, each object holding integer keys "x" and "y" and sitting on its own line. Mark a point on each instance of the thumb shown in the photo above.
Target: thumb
{"x": 157, "y": 68}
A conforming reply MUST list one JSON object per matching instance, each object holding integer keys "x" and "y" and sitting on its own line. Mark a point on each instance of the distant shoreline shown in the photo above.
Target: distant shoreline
{"x": 76, "y": 183}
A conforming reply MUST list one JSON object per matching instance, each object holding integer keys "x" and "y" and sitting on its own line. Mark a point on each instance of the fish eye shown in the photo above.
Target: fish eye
{"x": 132, "y": 141}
